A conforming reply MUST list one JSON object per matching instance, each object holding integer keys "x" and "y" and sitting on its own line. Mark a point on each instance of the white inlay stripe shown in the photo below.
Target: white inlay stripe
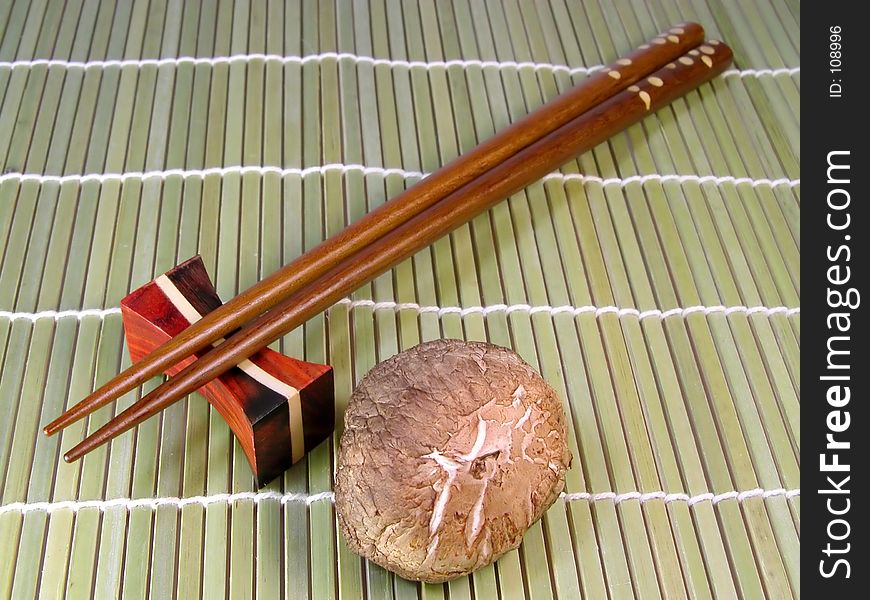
{"x": 309, "y": 499}
{"x": 260, "y": 375}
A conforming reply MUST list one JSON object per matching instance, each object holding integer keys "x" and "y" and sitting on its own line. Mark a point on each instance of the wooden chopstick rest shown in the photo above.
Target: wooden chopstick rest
{"x": 653, "y": 92}
{"x": 279, "y": 408}
{"x": 301, "y": 272}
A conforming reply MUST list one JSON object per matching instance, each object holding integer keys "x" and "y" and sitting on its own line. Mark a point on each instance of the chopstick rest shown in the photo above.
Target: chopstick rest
{"x": 278, "y": 408}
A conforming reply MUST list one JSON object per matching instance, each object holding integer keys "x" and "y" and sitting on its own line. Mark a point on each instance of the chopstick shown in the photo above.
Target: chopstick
{"x": 530, "y": 164}
{"x": 294, "y": 276}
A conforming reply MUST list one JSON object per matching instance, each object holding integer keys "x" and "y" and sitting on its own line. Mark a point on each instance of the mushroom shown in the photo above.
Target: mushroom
{"x": 451, "y": 451}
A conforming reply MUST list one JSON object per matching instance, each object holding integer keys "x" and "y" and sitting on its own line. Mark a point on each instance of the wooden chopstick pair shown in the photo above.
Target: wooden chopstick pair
{"x": 607, "y": 102}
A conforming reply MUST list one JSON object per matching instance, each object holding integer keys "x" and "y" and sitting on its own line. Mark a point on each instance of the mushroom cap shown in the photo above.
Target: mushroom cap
{"x": 451, "y": 451}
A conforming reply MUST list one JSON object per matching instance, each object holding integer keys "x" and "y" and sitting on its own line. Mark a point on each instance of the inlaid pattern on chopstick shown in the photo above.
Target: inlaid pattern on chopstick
{"x": 649, "y": 85}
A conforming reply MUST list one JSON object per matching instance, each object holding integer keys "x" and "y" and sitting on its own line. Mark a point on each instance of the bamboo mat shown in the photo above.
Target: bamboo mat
{"x": 654, "y": 282}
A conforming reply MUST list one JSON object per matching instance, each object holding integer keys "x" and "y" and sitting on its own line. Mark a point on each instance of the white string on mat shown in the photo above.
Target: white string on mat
{"x": 356, "y": 58}
{"x": 700, "y": 179}
{"x": 461, "y": 311}
{"x": 154, "y": 503}
{"x": 201, "y": 173}
{"x": 342, "y": 168}
{"x": 308, "y": 499}
{"x": 573, "y": 310}
{"x": 56, "y": 315}
{"x": 787, "y": 71}
{"x": 679, "y": 497}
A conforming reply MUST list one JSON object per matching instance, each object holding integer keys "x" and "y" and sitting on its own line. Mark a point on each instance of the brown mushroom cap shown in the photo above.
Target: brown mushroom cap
{"x": 451, "y": 450}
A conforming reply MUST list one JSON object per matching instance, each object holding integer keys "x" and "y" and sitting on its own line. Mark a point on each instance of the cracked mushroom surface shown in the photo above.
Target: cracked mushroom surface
{"x": 451, "y": 450}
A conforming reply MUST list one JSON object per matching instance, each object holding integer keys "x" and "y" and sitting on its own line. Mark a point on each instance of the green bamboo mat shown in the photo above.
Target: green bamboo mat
{"x": 654, "y": 282}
